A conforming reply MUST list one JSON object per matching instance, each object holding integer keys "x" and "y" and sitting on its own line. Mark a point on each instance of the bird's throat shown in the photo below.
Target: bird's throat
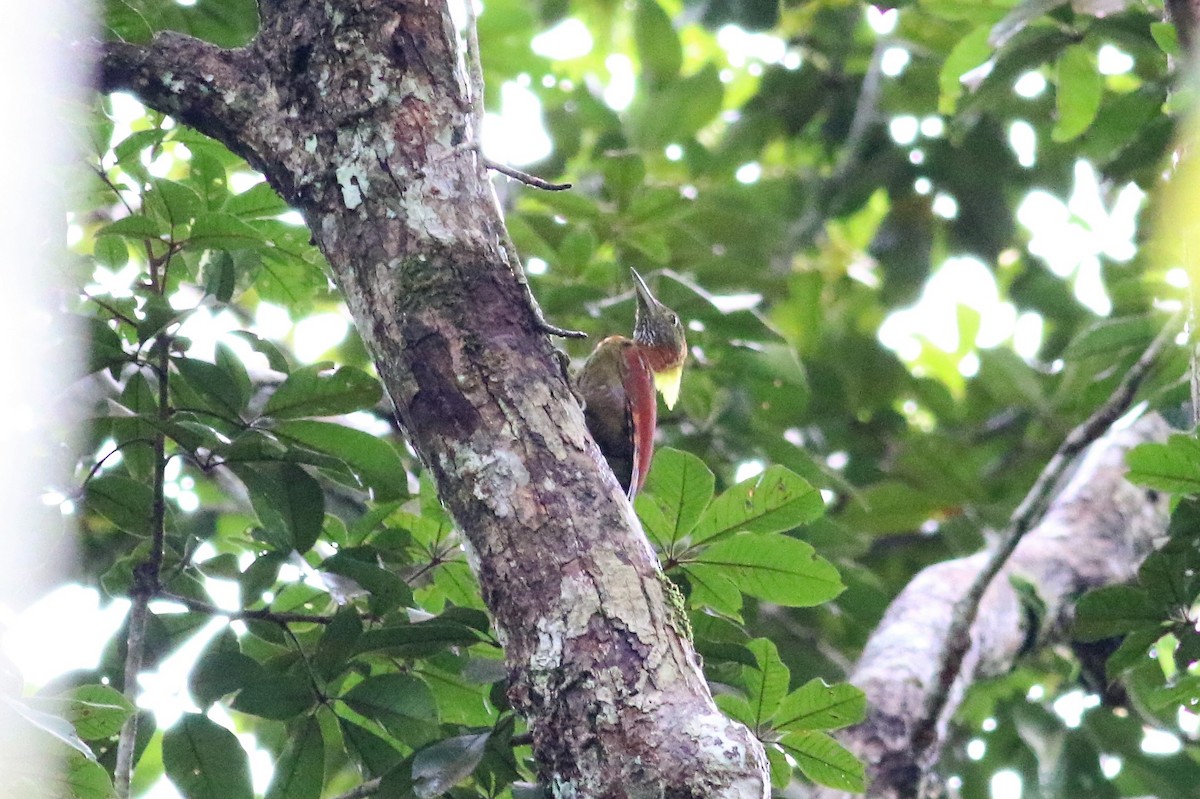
{"x": 667, "y": 381}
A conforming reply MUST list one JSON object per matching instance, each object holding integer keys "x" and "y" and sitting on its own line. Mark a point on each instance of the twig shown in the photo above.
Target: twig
{"x": 135, "y": 649}
{"x": 200, "y": 606}
{"x": 865, "y": 112}
{"x": 1024, "y": 518}
{"x": 525, "y": 177}
{"x": 475, "y": 83}
{"x": 361, "y": 792}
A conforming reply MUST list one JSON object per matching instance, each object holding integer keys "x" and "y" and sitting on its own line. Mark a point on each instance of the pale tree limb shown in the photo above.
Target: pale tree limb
{"x": 955, "y": 623}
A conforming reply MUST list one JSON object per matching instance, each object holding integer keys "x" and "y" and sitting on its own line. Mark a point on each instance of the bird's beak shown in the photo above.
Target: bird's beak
{"x": 647, "y": 304}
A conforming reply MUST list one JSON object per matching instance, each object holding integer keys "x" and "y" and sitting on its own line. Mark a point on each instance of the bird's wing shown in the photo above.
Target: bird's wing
{"x": 642, "y": 407}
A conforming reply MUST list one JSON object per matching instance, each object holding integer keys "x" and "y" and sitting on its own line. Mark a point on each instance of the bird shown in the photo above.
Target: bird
{"x": 617, "y": 385}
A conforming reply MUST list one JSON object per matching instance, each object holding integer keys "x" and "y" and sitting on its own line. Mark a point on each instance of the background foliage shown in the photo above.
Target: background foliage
{"x": 794, "y": 176}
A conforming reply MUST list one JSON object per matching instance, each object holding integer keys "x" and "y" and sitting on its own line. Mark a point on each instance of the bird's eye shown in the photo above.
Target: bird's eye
{"x": 674, "y": 319}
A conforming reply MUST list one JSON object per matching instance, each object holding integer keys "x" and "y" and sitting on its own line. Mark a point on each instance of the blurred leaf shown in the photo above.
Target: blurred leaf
{"x": 1114, "y": 610}
{"x": 658, "y": 46}
{"x": 205, "y": 761}
{"x": 300, "y": 772}
{"x": 439, "y": 767}
{"x": 317, "y": 391}
{"x": 98, "y": 711}
{"x": 374, "y": 460}
{"x": 1173, "y": 466}
{"x": 1080, "y": 87}
{"x": 126, "y": 503}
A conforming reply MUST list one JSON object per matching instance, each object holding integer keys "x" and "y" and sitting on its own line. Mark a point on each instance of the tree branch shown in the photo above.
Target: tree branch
{"x": 242, "y": 615}
{"x": 1096, "y": 532}
{"x": 1027, "y": 514}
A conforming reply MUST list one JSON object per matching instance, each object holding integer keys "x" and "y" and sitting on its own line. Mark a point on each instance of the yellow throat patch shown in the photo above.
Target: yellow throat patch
{"x": 667, "y": 381}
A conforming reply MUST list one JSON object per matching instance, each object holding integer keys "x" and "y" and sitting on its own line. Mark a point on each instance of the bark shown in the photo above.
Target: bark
{"x": 358, "y": 114}
{"x": 1097, "y": 532}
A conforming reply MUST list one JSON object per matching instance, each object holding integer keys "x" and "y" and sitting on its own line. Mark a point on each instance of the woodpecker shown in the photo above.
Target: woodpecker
{"x": 618, "y": 381}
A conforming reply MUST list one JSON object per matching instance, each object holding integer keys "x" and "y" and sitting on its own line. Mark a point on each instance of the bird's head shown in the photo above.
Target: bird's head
{"x": 659, "y": 332}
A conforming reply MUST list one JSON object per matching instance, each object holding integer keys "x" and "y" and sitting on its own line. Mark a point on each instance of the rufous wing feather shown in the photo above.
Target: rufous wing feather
{"x": 643, "y": 414}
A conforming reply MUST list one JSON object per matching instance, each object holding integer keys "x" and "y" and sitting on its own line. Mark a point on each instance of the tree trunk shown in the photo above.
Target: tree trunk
{"x": 358, "y": 113}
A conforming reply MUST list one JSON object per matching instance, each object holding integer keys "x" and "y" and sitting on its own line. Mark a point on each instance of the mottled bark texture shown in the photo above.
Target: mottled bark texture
{"x": 1097, "y": 532}
{"x": 357, "y": 112}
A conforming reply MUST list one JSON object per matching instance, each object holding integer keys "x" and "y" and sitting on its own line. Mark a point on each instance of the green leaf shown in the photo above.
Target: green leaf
{"x": 205, "y": 760}
{"x": 300, "y": 772}
{"x": 376, "y": 462}
{"x": 1173, "y": 466}
{"x": 680, "y": 487}
{"x": 1080, "y": 88}
{"x": 221, "y": 231}
{"x": 971, "y": 51}
{"x": 135, "y": 436}
{"x": 215, "y": 384}
{"x": 220, "y": 673}
{"x": 98, "y": 711}
{"x": 824, "y": 760}
{"x": 1114, "y": 610}
{"x": 768, "y": 684}
{"x": 1022, "y": 14}
{"x": 275, "y": 357}
{"x": 276, "y": 695}
{"x": 86, "y": 779}
{"x": 658, "y": 46}
{"x": 418, "y": 640}
{"x": 49, "y": 723}
{"x": 1166, "y": 37}
{"x": 388, "y": 591}
{"x": 137, "y": 227}
{"x": 712, "y": 588}
{"x": 317, "y": 391}
{"x": 373, "y": 748}
{"x": 104, "y": 345}
{"x": 439, "y": 767}
{"x": 1132, "y": 652}
{"x": 819, "y": 706}
{"x": 774, "y": 501}
{"x": 126, "y": 503}
{"x": 288, "y": 502}
{"x": 179, "y": 204}
{"x": 623, "y": 174}
{"x": 776, "y": 568}
{"x": 400, "y": 702}
{"x": 256, "y": 202}
{"x": 1108, "y": 336}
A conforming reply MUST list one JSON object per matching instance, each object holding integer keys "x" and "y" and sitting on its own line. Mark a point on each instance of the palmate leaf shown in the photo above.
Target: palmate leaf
{"x": 1173, "y": 466}
{"x": 774, "y": 501}
{"x": 773, "y": 567}
{"x": 818, "y": 706}
{"x": 679, "y": 488}
{"x": 767, "y": 684}
{"x": 824, "y": 760}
